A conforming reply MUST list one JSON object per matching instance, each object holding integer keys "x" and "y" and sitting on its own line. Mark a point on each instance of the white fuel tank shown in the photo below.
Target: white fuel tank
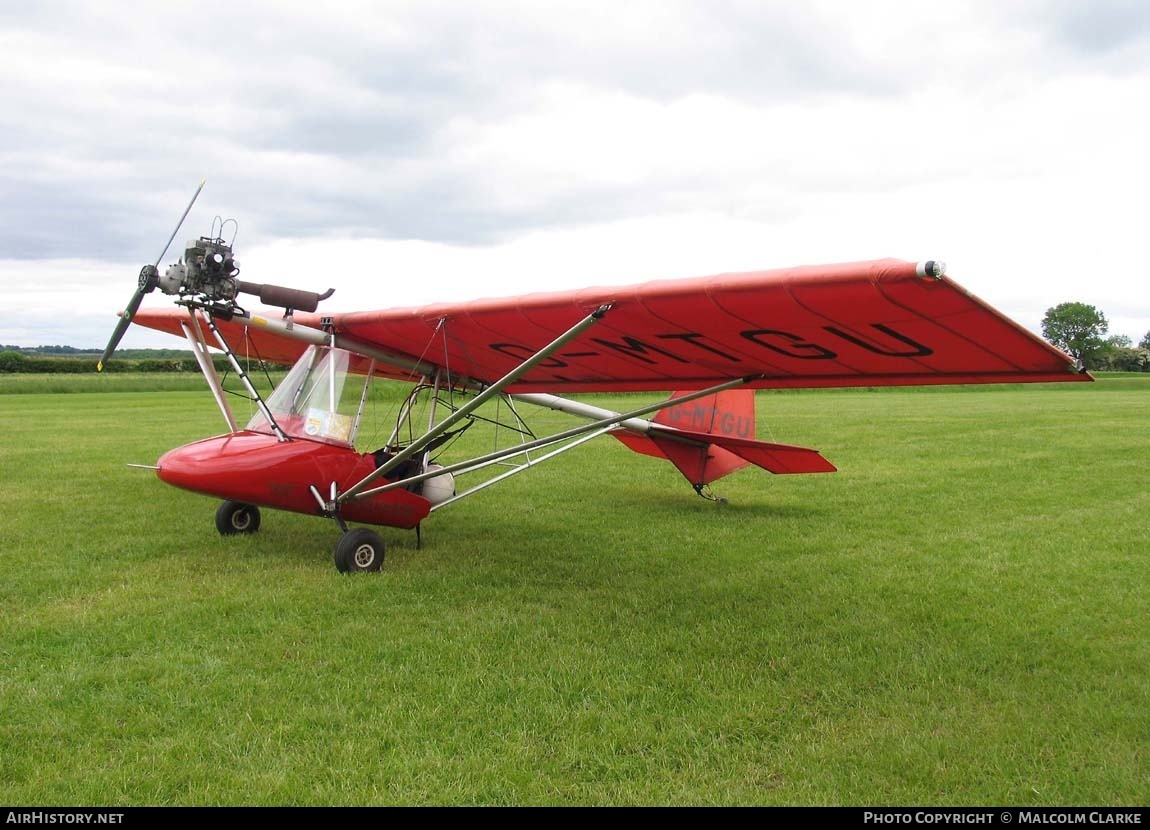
{"x": 440, "y": 488}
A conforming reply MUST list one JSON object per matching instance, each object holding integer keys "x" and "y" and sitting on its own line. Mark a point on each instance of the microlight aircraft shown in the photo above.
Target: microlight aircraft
{"x": 713, "y": 339}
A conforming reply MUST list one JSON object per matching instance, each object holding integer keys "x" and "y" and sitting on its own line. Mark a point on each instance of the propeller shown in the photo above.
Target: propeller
{"x": 149, "y": 275}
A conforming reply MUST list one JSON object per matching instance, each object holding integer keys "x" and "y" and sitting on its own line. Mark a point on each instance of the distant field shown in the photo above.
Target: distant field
{"x": 959, "y": 616}
{"x": 36, "y": 384}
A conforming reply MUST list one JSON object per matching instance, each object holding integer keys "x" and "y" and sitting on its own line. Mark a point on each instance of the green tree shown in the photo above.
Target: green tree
{"x": 1145, "y": 342}
{"x": 1077, "y": 329}
{"x": 12, "y": 361}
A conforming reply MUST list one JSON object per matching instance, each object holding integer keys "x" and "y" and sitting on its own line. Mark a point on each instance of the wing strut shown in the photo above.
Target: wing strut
{"x": 480, "y": 399}
{"x": 518, "y": 449}
{"x": 195, "y": 336}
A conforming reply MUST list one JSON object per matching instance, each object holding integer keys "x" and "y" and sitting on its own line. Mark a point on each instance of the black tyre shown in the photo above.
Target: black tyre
{"x": 236, "y": 517}
{"x": 359, "y": 550}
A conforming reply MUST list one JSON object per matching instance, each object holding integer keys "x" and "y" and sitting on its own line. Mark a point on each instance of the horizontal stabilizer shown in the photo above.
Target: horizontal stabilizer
{"x": 777, "y": 458}
{"x": 703, "y": 457}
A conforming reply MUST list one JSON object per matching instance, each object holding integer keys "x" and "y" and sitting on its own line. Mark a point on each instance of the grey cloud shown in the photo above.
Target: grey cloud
{"x": 310, "y": 121}
{"x": 1103, "y": 26}
{"x": 1112, "y": 35}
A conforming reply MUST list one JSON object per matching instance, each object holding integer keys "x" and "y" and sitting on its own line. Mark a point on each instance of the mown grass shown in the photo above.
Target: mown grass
{"x": 959, "y": 616}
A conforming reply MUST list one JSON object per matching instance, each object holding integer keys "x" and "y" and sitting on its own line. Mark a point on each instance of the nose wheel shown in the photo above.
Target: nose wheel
{"x": 360, "y": 549}
{"x": 234, "y": 517}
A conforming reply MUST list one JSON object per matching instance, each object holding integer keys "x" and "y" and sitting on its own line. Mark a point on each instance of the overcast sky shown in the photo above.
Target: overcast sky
{"x": 412, "y": 152}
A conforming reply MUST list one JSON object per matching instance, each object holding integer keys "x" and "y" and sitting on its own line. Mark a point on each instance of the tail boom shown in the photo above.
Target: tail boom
{"x": 705, "y": 438}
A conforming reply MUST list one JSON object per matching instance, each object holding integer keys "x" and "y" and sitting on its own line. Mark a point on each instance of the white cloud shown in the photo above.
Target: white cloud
{"x": 417, "y": 152}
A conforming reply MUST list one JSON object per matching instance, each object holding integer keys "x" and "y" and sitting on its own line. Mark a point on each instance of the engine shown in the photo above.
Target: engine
{"x": 208, "y": 272}
{"x": 208, "y": 269}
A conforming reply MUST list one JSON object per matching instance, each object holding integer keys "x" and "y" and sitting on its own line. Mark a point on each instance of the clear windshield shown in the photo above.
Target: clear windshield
{"x": 315, "y": 401}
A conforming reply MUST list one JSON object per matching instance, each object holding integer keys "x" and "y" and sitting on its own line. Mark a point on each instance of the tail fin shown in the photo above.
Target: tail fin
{"x": 714, "y": 436}
{"x": 730, "y": 413}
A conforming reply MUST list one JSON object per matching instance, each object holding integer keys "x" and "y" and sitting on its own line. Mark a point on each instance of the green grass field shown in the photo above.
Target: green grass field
{"x": 959, "y": 616}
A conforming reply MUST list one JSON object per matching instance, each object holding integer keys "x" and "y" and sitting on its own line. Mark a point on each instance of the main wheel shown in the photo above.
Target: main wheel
{"x": 236, "y": 517}
{"x": 359, "y": 550}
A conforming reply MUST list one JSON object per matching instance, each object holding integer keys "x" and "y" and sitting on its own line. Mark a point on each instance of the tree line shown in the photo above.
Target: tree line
{"x": 1080, "y": 330}
{"x": 72, "y": 351}
{"x": 23, "y": 362}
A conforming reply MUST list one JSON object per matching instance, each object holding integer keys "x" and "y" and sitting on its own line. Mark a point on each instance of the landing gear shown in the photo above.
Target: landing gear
{"x": 236, "y": 517}
{"x": 360, "y": 549}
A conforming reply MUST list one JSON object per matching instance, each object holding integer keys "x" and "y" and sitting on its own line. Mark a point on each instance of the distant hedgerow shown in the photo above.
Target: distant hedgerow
{"x": 16, "y": 362}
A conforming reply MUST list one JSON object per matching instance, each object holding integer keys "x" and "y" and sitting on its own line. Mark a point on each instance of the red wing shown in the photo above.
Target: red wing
{"x": 858, "y": 324}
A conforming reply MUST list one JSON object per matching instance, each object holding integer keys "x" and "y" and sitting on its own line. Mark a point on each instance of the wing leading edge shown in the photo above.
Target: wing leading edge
{"x": 879, "y": 323}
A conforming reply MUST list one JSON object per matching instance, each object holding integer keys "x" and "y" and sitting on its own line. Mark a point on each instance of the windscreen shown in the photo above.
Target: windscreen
{"x": 314, "y": 401}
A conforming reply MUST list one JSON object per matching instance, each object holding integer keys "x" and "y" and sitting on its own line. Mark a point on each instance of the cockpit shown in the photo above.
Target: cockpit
{"x": 316, "y": 401}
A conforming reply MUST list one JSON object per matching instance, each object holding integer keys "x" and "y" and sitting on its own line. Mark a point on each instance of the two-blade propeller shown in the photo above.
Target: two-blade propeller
{"x": 147, "y": 284}
{"x": 207, "y": 275}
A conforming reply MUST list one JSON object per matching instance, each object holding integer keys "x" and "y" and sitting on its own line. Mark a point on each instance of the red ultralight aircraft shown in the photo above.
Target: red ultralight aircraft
{"x": 714, "y": 339}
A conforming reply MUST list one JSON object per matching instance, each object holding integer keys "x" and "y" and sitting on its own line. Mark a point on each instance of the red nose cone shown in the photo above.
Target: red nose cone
{"x": 258, "y": 469}
{"x": 212, "y": 461}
